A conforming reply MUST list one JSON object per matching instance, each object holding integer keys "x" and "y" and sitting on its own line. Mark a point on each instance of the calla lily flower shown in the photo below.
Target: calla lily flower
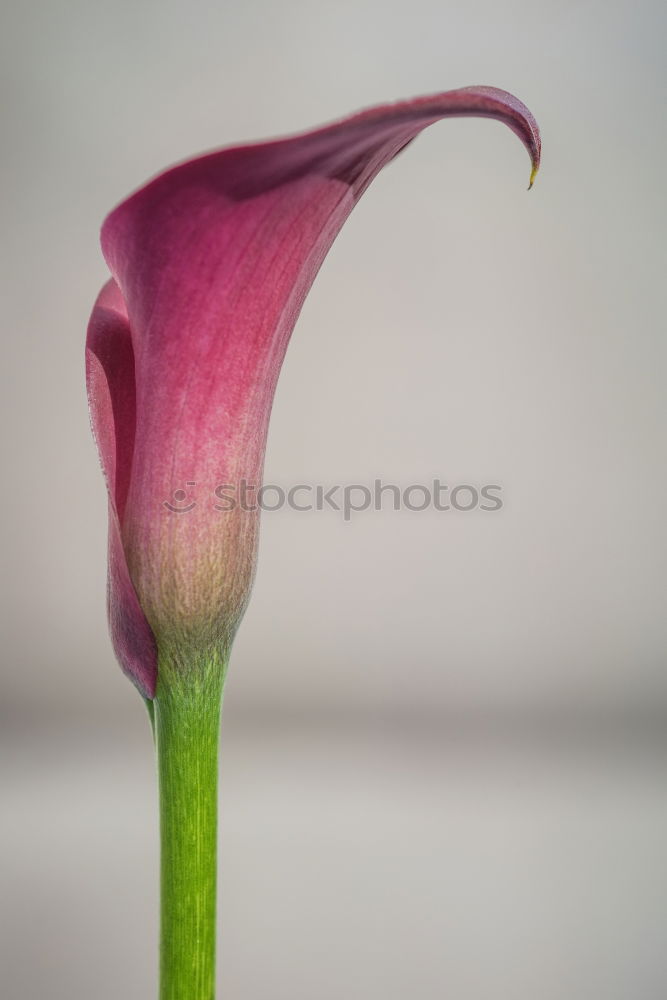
{"x": 210, "y": 263}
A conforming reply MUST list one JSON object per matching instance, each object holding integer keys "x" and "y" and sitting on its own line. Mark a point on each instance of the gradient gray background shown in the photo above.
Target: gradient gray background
{"x": 443, "y": 767}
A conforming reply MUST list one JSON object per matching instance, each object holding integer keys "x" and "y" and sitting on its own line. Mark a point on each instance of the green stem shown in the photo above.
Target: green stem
{"x": 187, "y": 727}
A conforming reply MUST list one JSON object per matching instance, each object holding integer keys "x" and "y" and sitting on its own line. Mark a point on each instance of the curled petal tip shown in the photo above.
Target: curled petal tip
{"x": 533, "y": 174}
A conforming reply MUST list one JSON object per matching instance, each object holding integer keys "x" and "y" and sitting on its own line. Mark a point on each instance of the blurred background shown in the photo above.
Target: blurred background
{"x": 443, "y": 755}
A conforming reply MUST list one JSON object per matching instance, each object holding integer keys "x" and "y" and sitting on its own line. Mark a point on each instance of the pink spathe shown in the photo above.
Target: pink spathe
{"x": 211, "y": 263}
